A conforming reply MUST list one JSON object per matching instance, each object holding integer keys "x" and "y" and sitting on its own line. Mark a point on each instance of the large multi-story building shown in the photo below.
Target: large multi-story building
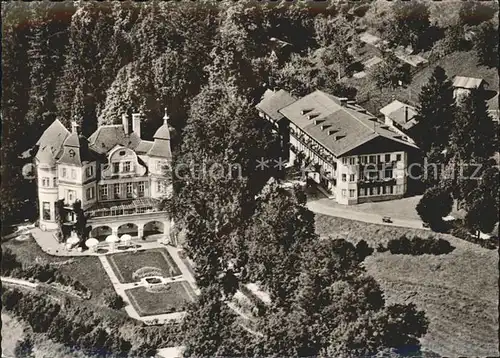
{"x": 356, "y": 158}
{"x": 116, "y": 175}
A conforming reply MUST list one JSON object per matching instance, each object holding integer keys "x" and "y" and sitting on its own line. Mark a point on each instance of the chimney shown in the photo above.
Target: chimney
{"x": 318, "y": 121}
{"x": 312, "y": 115}
{"x": 304, "y": 111}
{"x": 337, "y": 137}
{"x": 332, "y": 131}
{"x": 351, "y": 102}
{"x": 343, "y": 101}
{"x": 324, "y": 126}
{"x": 75, "y": 127}
{"x": 406, "y": 114}
{"x": 125, "y": 123}
{"x": 136, "y": 123}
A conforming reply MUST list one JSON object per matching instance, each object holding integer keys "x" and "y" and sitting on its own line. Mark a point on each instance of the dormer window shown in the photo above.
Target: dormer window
{"x": 122, "y": 152}
{"x": 116, "y": 167}
{"x": 126, "y": 167}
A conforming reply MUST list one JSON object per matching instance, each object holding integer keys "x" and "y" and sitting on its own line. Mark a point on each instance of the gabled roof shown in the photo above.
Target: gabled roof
{"x": 106, "y": 137}
{"x": 274, "y": 101}
{"x": 338, "y": 127}
{"x": 76, "y": 150}
{"x": 50, "y": 143}
{"x": 399, "y": 112}
{"x": 468, "y": 82}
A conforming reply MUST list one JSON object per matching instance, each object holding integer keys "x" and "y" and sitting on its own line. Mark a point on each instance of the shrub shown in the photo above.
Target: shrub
{"x": 419, "y": 246}
{"x": 112, "y": 299}
{"x": 463, "y": 233}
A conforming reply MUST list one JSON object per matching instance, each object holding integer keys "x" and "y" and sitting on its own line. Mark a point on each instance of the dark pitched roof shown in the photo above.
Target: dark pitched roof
{"x": 160, "y": 148}
{"x": 163, "y": 132}
{"x": 340, "y": 128}
{"x": 76, "y": 150}
{"x": 144, "y": 146}
{"x": 50, "y": 143}
{"x": 106, "y": 137}
{"x": 274, "y": 101}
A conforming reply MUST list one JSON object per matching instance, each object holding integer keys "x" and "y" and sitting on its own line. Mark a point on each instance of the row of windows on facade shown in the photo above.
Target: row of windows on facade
{"x": 377, "y": 190}
{"x": 371, "y": 159}
{"x": 371, "y": 175}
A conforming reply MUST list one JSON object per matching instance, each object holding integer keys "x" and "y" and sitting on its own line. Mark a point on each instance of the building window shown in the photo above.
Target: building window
{"x": 46, "y": 210}
{"x": 141, "y": 188}
{"x": 160, "y": 187}
{"x": 89, "y": 171}
{"x": 116, "y": 190}
{"x": 388, "y": 173}
{"x": 344, "y": 177}
{"x": 116, "y": 167}
{"x": 71, "y": 196}
{"x": 375, "y": 190}
{"x": 352, "y": 193}
{"x": 398, "y": 157}
{"x": 352, "y": 160}
{"x": 344, "y": 193}
{"x": 373, "y": 159}
{"x": 344, "y": 160}
{"x": 391, "y": 189}
{"x": 126, "y": 167}
{"x": 362, "y": 192}
{"x": 73, "y": 174}
{"x": 379, "y": 159}
{"x": 90, "y": 193}
{"x": 364, "y": 159}
{"x": 352, "y": 177}
{"x": 54, "y": 181}
{"x": 63, "y": 172}
{"x": 104, "y": 191}
{"x": 129, "y": 190}
{"x": 387, "y": 158}
{"x": 383, "y": 190}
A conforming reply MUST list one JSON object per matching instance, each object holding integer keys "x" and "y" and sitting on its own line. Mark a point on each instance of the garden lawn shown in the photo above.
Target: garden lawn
{"x": 174, "y": 299}
{"x": 125, "y": 264}
{"x": 88, "y": 269}
{"x": 458, "y": 291}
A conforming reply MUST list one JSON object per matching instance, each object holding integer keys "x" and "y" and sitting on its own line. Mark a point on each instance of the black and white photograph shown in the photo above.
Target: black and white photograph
{"x": 252, "y": 178}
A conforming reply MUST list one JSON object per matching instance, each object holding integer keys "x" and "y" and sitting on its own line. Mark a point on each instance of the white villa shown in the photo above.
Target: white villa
{"x": 118, "y": 177}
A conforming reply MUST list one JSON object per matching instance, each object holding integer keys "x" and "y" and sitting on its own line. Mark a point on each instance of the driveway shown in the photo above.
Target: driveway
{"x": 327, "y": 207}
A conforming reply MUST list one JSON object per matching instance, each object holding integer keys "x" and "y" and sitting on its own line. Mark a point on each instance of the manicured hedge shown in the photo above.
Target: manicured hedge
{"x": 419, "y": 246}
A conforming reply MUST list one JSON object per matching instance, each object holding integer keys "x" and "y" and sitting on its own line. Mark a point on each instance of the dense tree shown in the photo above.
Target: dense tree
{"x": 482, "y": 202}
{"x": 435, "y": 204}
{"x": 211, "y": 329}
{"x": 280, "y": 230}
{"x": 435, "y": 115}
{"x": 486, "y": 44}
{"x": 473, "y": 131}
{"x": 391, "y": 73}
{"x": 474, "y": 13}
{"x": 409, "y": 24}
{"x": 334, "y": 36}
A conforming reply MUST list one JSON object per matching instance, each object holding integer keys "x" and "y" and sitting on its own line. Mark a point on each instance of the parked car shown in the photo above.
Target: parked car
{"x": 387, "y": 219}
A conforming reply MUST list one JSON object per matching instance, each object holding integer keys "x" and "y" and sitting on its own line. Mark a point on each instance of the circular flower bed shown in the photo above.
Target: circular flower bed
{"x": 147, "y": 271}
